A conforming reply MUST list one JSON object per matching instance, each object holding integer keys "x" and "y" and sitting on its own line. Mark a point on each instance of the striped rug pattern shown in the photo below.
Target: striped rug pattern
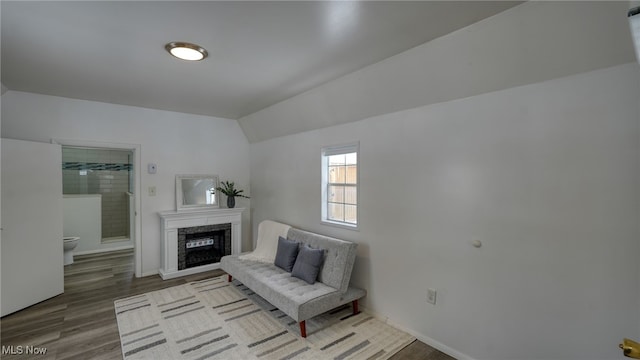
{"x": 215, "y": 319}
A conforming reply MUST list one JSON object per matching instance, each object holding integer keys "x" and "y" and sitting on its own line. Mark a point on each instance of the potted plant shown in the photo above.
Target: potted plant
{"x": 228, "y": 188}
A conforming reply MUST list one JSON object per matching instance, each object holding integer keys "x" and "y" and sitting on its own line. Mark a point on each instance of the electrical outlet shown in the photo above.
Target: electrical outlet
{"x": 431, "y": 296}
{"x": 152, "y": 191}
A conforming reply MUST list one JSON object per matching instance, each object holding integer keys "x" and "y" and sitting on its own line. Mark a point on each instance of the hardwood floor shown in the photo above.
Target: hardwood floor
{"x": 81, "y": 323}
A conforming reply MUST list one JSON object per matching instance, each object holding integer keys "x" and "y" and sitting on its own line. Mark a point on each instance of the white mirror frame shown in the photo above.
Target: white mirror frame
{"x": 181, "y": 200}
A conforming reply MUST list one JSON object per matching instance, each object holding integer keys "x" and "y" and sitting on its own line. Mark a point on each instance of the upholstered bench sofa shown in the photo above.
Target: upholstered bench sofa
{"x": 296, "y": 297}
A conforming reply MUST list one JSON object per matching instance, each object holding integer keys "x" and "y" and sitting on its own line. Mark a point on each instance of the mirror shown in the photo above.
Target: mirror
{"x": 196, "y": 191}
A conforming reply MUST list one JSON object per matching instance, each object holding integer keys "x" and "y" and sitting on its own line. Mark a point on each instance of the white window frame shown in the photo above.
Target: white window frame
{"x": 337, "y": 150}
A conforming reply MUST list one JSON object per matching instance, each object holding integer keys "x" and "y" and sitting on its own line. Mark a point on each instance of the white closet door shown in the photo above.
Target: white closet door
{"x": 31, "y": 247}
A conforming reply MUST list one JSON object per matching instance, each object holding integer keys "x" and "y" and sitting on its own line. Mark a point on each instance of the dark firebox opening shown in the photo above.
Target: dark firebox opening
{"x": 203, "y": 245}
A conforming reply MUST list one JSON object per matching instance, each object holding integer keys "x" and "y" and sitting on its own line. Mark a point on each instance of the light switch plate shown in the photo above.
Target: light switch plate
{"x": 431, "y": 296}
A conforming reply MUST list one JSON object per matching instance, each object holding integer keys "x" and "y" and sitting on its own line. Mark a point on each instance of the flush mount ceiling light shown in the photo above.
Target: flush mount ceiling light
{"x": 186, "y": 51}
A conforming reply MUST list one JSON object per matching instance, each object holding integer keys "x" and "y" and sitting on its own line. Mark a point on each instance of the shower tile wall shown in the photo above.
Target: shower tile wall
{"x": 105, "y": 172}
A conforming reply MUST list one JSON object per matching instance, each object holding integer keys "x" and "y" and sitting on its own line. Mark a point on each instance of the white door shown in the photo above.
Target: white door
{"x": 31, "y": 249}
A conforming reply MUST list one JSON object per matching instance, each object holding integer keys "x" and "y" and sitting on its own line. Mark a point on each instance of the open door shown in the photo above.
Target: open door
{"x": 32, "y": 255}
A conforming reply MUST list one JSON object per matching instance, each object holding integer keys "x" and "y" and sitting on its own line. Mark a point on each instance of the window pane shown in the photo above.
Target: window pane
{"x": 335, "y": 212}
{"x": 337, "y": 174}
{"x": 351, "y": 214}
{"x": 340, "y": 182}
{"x": 336, "y": 194}
{"x": 351, "y": 174}
{"x": 351, "y": 195}
{"x": 337, "y": 159}
{"x": 351, "y": 159}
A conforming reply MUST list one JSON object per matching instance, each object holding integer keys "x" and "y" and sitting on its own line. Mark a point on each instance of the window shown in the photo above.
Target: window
{"x": 340, "y": 185}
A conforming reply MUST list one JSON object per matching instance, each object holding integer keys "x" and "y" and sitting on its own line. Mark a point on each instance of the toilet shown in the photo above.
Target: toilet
{"x": 70, "y": 243}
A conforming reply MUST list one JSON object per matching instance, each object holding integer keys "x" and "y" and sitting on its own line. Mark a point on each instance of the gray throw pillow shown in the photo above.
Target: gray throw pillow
{"x": 286, "y": 254}
{"x": 308, "y": 264}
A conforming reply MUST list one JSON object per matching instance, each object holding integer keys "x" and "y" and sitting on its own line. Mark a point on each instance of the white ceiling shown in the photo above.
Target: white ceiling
{"x": 260, "y": 53}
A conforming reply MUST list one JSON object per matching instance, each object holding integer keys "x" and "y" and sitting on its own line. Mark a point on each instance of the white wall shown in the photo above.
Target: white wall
{"x": 82, "y": 217}
{"x": 178, "y": 143}
{"x": 547, "y": 176}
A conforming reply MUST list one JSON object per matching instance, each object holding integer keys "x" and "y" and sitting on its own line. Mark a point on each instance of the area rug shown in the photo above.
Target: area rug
{"x": 215, "y": 319}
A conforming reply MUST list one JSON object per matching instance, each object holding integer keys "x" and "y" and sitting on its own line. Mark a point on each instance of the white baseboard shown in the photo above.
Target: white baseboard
{"x": 425, "y": 339}
{"x": 87, "y": 252}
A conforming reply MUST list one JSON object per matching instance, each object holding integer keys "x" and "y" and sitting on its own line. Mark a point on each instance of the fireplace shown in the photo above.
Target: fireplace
{"x": 203, "y": 245}
{"x": 205, "y": 230}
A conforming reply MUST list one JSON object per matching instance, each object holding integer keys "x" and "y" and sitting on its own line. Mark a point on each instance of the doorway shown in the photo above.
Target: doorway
{"x": 107, "y": 173}
{"x": 101, "y": 183}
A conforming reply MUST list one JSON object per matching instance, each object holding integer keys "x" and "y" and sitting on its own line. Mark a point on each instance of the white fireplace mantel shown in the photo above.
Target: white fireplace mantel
{"x": 171, "y": 221}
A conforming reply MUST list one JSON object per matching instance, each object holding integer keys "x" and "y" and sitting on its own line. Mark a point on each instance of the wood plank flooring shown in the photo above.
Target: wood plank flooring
{"x": 81, "y": 323}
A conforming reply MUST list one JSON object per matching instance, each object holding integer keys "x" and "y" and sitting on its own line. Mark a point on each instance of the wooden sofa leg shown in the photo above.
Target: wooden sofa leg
{"x": 355, "y": 306}
{"x": 303, "y": 329}
{"x": 230, "y": 278}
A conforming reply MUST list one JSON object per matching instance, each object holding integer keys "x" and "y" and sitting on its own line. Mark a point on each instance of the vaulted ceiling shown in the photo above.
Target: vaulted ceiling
{"x": 260, "y": 53}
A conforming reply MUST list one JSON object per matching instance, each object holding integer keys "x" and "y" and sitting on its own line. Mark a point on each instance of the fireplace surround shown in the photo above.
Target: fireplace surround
{"x": 194, "y": 241}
